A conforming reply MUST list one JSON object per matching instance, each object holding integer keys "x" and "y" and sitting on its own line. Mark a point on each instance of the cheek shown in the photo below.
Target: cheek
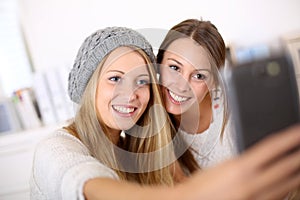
{"x": 144, "y": 95}
{"x": 143, "y": 98}
{"x": 103, "y": 97}
{"x": 200, "y": 91}
{"x": 165, "y": 76}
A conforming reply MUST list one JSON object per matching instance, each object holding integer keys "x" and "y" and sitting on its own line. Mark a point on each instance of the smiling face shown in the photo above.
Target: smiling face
{"x": 123, "y": 90}
{"x": 185, "y": 75}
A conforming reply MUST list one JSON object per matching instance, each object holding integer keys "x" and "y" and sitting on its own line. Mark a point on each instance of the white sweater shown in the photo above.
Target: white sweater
{"x": 61, "y": 166}
{"x": 209, "y": 148}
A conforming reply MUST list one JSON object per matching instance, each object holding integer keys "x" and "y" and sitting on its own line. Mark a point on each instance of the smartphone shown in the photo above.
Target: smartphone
{"x": 263, "y": 98}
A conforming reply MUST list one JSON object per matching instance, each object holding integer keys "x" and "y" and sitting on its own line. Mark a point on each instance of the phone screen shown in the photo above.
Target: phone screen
{"x": 263, "y": 98}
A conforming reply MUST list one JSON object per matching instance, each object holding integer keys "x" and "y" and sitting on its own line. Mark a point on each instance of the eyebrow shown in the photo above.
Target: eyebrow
{"x": 172, "y": 59}
{"x": 116, "y": 71}
{"x": 179, "y": 63}
{"x": 144, "y": 75}
{"x": 124, "y": 72}
{"x": 203, "y": 70}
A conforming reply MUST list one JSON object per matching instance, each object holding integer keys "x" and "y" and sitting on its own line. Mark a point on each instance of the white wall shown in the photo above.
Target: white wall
{"x": 56, "y": 28}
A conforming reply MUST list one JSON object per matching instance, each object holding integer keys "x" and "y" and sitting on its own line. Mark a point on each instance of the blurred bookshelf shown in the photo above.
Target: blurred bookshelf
{"x": 28, "y": 99}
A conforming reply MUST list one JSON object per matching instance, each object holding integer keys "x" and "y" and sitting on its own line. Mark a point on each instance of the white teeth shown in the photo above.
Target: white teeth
{"x": 123, "y": 109}
{"x": 177, "y": 98}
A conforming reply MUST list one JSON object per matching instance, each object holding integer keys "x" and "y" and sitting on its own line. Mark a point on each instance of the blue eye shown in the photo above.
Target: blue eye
{"x": 115, "y": 79}
{"x": 174, "y": 67}
{"x": 142, "y": 82}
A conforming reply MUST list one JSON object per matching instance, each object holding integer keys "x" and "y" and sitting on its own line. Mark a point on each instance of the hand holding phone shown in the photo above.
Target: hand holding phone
{"x": 263, "y": 97}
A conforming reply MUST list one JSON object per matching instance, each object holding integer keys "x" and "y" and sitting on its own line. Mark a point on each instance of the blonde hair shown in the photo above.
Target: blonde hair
{"x": 90, "y": 129}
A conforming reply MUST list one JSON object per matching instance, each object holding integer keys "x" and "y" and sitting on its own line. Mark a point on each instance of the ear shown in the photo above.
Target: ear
{"x": 216, "y": 95}
{"x": 216, "y": 101}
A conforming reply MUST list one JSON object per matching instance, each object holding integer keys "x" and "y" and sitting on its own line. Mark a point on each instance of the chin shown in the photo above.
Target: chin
{"x": 126, "y": 126}
{"x": 174, "y": 111}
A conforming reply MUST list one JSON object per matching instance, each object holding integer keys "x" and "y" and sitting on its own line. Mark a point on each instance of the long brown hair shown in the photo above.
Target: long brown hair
{"x": 203, "y": 32}
{"x": 207, "y": 36}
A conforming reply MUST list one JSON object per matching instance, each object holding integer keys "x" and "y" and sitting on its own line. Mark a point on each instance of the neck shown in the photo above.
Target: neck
{"x": 114, "y": 135}
{"x": 187, "y": 122}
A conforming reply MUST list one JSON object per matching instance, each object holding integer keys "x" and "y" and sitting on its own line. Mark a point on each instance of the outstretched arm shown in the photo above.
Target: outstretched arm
{"x": 109, "y": 189}
{"x": 265, "y": 171}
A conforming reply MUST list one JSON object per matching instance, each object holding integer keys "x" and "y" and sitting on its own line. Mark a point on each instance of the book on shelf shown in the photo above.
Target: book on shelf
{"x": 42, "y": 94}
{"x": 9, "y": 120}
{"x": 58, "y": 94}
{"x": 26, "y": 108}
{"x": 50, "y": 87}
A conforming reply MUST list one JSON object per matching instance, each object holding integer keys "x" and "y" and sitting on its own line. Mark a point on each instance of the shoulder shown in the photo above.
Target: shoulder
{"x": 227, "y": 143}
{"x": 61, "y": 165}
{"x": 59, "y": 142}
{"x": 229, "y": 132}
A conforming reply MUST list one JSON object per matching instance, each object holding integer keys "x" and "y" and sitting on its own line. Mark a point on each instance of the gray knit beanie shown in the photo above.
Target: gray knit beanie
{"x": 95, "y": 48}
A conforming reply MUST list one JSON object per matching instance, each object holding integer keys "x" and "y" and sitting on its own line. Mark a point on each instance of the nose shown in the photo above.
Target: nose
{"x": 183, "y": 83}
{"x": 133, "y": 96}
{"x": 128, "y": 91}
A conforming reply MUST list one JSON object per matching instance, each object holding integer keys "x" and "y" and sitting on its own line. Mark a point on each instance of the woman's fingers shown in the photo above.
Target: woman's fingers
{"x": 281, "y": 190}
{"x": 278, "y": 178}
{"x": 271, "y": 168}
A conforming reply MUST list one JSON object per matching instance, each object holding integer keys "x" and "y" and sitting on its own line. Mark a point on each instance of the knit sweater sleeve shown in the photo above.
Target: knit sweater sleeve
{"x": 61, "y": 166}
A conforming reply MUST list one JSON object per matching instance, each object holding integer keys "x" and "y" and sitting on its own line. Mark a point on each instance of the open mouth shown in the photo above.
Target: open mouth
{"x": 176, "y": 98}
{"x": 124, "y": 109}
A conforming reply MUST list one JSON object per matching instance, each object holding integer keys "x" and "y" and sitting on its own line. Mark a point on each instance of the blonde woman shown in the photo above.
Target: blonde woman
{"x": 113, "y": 82}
